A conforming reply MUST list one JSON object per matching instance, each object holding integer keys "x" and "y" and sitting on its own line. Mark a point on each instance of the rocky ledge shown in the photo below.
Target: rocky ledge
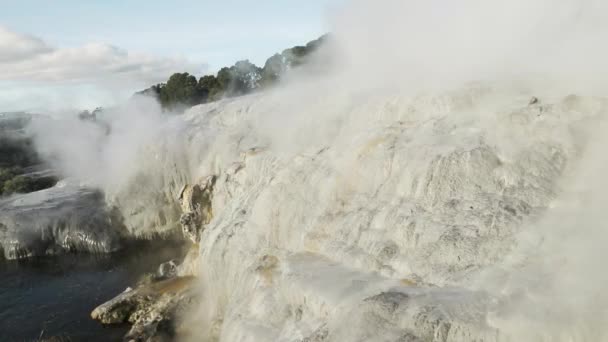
{"x": 62, "y": 218}
{"x": 153, "y": 309}
{"x": 155, "y": 306}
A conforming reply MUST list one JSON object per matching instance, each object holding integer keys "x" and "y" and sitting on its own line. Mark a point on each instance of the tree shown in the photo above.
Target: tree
{"x": 153, "y": 91}
{"x": 181, "y": 89}
{"x": 244, "y": 77}
{"x": 210, "y": 86}
{"x": 225, "y": 79}
{"x": 240, "y": 79}
{"x": 274, "y": 67}
{"x": 208, "y": 82}
{"x": 247, "y": 77}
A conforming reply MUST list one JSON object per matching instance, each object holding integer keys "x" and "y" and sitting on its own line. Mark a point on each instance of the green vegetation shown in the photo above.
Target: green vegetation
{"x": 16, "y": 151}
{"x": 14, "y": 179}
{"x": 22, "y": 184}
{"x": 244, "y": 77}
{"x": 17, "y": 155}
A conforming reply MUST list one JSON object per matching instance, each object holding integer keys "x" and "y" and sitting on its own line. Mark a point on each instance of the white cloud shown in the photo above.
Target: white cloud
{"x": 27, "y": 58}
{"x": 28, "y": 62}
{"x": 15, "y": 47}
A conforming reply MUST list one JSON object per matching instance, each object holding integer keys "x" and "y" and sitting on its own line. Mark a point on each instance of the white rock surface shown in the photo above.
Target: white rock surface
{"x": 372, "y": 221}
{"x": 59, "y": 219}
{"x": 368, "y": 217}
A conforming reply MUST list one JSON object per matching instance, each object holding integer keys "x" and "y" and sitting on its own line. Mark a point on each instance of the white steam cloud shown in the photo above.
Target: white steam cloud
{"x": 104, "y": 153}
{"x": 430, "y": 44}
{"x": 553, "y": 288}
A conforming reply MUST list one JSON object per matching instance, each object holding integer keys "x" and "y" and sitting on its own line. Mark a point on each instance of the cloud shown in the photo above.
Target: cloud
{"x": 16, "y": 46}
{"x": 27, "y": 58}
{"x": 28, "y": 63}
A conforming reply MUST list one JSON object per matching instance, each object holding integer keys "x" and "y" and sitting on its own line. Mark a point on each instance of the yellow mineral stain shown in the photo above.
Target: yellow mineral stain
{"x": 173, "y": 285}
{"x": 370, "y": 145}
{"x": 407, "y": 282}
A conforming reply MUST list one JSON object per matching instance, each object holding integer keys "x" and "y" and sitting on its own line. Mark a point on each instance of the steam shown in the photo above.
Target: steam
{"x": 551, "y": 287}
{"x": 435, "y": 44}
{"x": 393, "y": 48}
{"x": 105, "y": 153}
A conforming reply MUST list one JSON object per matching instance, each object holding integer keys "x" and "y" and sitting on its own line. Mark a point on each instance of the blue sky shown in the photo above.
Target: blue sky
{"x": 218, "y": 32}
{"x": 69, "y": 51}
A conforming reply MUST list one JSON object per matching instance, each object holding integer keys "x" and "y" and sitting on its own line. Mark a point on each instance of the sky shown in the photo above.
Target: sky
{"x": 75, "y": 53}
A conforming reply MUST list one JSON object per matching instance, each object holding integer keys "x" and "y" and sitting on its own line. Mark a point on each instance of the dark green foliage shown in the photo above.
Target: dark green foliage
{"x": 315, "y": 44}
{"x": 23, "y": 184}
{"x": 240, "y": 79}
{"x": 181, "y": 88}
{"x": 208, "y": 82}
{"x": 16, "y": 152}
{"x": 247, "y": 77}
{"x": 273, "y": 69}
{"x": 17, "y": 156}
{"x": 210, "y": 86}
{"x": 243, "y": 78}
{"x": 18, "y": 184}
{"x": 8, "y": 173}
{"x": 224, "y": 78}
{"x": 153, "y": 91}
{"x": 279, "y": 64}
{"x": 12, "y": 180}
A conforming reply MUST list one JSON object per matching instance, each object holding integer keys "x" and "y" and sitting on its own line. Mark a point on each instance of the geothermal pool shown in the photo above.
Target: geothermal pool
{"x": 54, "y": 296}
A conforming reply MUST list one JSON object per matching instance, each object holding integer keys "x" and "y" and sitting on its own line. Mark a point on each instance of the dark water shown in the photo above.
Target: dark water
{"x": 54, "y": 296}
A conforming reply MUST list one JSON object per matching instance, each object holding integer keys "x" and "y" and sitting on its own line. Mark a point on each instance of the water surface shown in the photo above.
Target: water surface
{"x": 54, "y": 296}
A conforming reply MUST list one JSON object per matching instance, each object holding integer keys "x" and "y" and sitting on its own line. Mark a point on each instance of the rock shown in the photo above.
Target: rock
{"x": 534, "y": 100}
{"x": 381, "y": 238}
{"x": 151, "y": 308}
{"x": 190, "y": 265}
{"x": 190, "y": 223}
{"x": 55, "y": 339}
{"x": 409, "y": 337}
{"x": 266, "y": 266}
{"x": 389, "y": 301}
{"x": 64, "y": 218}
{"x": 319, "y": 335}
{"x": 196, "y": 206}
{"x": 167, "y": 270}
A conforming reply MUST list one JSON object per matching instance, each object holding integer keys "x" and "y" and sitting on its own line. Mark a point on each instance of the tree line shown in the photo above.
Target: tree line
{"x": 244, "y": 77}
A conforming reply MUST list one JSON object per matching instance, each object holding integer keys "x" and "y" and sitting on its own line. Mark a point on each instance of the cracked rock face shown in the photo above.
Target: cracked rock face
{"x": 196, "y": 206}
